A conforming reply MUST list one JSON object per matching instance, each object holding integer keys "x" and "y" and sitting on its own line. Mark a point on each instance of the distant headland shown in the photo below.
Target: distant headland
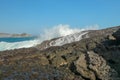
{"x": 14, "y": 35}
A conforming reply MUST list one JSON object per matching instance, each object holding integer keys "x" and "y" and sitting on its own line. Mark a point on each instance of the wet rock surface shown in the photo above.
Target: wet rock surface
{"x": 94, "y": 58}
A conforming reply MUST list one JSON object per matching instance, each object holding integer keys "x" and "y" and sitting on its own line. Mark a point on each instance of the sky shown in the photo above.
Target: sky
{"x": 32, "y": 16}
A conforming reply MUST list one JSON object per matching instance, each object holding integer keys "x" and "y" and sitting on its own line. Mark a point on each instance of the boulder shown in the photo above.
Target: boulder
{"x": 92, "y": 66}
{"x": 81, "y": 67}
{"x": 110, "y": 37}
{"x": 99, "y": 66}
{"x": 117, "y": 34}
{"x": 58, "y": 61}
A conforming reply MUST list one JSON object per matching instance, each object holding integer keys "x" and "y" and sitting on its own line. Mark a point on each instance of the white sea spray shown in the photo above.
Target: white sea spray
{"x": 65, "y": 32}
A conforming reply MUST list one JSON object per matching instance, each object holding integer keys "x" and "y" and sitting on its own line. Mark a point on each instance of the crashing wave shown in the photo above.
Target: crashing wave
{"x": 63, "y": 40}
{"x": 63, "y": 34}
{"x": 17, "y": 45}
{"x": 68, "y": 39}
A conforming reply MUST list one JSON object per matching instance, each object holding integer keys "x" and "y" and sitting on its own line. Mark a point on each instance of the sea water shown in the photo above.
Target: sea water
{"x": 16, "y": 39}
{"x": 66, "y": 33}
{"x": 16, "y": 43}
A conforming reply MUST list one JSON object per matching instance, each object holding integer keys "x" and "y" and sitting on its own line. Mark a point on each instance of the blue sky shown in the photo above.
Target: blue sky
{"x": 32, "y": 16}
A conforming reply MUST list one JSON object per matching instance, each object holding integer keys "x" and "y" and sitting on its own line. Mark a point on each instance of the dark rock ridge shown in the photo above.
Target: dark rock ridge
{"x": 96, "y": 57}
{"x": 14, "y": 35}
{"x": 117, "y": 34}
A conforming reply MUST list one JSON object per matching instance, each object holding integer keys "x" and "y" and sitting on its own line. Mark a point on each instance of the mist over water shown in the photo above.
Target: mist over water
{"x": 63, "y": 30}
{"x": 47, "y": 34}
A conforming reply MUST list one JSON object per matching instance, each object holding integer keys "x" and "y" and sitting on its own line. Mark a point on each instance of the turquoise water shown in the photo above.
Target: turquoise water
{"x": 16, "y": 43}
{"x": 16, "y": 39}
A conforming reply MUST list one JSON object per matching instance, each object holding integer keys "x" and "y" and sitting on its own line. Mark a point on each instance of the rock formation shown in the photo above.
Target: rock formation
{"x": 96, "y": 57}
{"x": 117, "y": 34}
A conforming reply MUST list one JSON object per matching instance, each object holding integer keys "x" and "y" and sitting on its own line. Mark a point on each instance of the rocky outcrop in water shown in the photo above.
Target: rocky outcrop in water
{"x": 96, "y": 57}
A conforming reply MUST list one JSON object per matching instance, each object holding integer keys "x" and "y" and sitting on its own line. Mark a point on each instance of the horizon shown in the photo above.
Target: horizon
{"x": 28, "y": 16}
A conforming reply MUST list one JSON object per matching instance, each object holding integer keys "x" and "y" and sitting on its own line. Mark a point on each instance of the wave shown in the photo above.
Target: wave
{"x": 63, "y": 30}
{"x": 69, "y": 39}
{"x": 66, "y": 34}
{"x": 17, "y": 45}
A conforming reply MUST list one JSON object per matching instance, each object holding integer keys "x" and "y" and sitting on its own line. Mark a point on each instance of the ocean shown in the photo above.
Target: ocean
{"x": 16, "y": 39}
{"x": 57, "y": 31}
{"x": 16, "y": 43}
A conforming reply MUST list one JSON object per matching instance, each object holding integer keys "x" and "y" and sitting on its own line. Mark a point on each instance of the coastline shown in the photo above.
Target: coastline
{"x": 94, "y": 58}
{"x": 7, "y": 35}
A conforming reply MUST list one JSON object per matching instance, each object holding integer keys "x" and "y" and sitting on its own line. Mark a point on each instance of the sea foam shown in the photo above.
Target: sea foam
{"x": 66, "y": 33}
{"x": 17, "y": 45}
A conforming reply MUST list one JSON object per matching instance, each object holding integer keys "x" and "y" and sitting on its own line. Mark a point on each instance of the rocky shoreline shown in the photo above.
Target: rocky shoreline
{"x": 96, "y": 57}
